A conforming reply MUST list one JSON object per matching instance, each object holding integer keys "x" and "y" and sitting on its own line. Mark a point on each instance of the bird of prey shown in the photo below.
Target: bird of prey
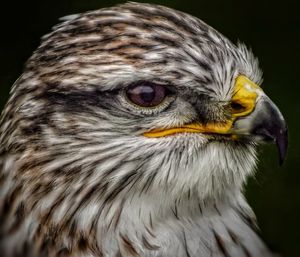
{"x": 131, "y": 133}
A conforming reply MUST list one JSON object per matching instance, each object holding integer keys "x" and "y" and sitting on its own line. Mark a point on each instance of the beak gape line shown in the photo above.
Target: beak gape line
{"x": 257, "y": 118}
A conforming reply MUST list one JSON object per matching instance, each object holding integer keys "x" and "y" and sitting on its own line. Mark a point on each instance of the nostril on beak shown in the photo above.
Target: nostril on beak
{"x": 237, "y": 108}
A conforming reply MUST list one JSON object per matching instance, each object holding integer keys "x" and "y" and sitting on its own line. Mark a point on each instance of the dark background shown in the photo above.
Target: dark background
{"x": 272, "y": 30}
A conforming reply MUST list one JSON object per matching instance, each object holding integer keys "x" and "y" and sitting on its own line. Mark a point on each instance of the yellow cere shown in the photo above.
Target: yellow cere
{"x": 245, "y": 94}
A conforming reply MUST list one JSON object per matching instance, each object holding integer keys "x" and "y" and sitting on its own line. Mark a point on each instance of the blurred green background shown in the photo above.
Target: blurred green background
{"x": 272, "y": 29}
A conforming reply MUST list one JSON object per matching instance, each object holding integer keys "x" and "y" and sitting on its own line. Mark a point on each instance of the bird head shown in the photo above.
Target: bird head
{"x": 140, "y": 98}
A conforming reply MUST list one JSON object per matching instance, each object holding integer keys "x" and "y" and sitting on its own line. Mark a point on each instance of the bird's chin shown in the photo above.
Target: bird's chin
{"x": 206, "y": 138}
{"x": 198, "y": 162}
{"x": 218, "y": 137}
{"x": 202, "y": 140}
{"x": 227, "y": 138}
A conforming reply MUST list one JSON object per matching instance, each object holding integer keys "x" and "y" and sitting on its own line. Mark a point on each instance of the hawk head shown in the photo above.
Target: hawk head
{"x": 131, "y": 103}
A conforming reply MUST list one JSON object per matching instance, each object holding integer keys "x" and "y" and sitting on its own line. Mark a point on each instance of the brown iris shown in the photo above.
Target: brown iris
{"x": 146, "y": 94}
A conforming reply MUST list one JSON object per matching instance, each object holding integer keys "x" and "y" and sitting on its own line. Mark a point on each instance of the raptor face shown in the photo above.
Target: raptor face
{"x": 122, "y": 110}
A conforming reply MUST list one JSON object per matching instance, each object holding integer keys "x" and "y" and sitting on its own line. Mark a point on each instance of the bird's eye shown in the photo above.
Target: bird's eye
{"x": 146, "y": 94}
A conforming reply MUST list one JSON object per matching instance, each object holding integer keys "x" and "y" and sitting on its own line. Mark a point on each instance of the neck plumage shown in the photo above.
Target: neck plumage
{"x": 154, "y": 225}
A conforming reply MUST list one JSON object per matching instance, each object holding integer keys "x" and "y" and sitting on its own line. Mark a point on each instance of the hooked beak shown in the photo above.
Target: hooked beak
{"x": 265, "y": 123}
{"x": 253, "y": 116}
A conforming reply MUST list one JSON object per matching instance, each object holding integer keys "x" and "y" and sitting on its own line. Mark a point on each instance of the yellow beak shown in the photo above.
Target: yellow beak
{"x": 243, "y": 102}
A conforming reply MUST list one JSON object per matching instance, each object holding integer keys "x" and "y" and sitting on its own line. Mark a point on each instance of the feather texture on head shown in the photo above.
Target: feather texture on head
{"x": 80, "y": 178}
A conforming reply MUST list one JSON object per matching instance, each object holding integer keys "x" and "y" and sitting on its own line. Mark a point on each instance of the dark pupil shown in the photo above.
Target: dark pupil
{"x": 147, "y": 94}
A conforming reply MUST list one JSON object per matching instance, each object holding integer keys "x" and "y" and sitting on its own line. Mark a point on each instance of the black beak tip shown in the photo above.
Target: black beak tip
{"x": 281, "y": 160}
{"x": 282, "y": 145}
